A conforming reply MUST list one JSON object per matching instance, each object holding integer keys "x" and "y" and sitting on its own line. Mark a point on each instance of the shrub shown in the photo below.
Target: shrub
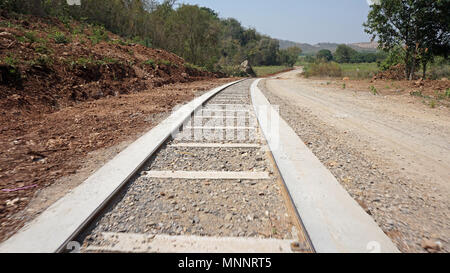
{"x": 165, "y": 62}
{"x": 42, "y": 48}
{"x": 438, "y": 72}
{"x": 416, "y": 94}
{"x": 10, "y": 60}
{"x": 330, "y": 69}
{"x": 43, "y": 60}
{"x": 60, "y": 38}
{"x": 31, "y": 37}
{"x": 433, "y": 104}
{"x": 373, "y": 90}
{"x": 98, "y": 34}
{"x": 150, "y": 62}
{"x": 394, "y": 57}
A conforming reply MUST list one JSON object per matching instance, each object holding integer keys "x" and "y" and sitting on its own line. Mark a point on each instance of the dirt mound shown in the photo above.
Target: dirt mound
{"x": 47, "y": 64}
{"x": 396, "y": 72}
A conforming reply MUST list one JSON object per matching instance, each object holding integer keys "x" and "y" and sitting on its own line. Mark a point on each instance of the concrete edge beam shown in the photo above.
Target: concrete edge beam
{"x": 57, "y": 225}
{"x": 333, "y": 220}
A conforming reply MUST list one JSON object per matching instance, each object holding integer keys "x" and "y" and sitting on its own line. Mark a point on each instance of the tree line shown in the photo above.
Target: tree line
{"x": 346, "y": 54}
{"x": 195, "y": 33}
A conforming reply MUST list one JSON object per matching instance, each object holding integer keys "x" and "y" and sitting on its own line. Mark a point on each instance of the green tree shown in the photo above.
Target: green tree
{"x": 324, "y": 55}
{"x": 420, "y": 26}
{"x": 195, "y": 32}
{"x": 290, "y": 55}
{"x": 344, "y": 54}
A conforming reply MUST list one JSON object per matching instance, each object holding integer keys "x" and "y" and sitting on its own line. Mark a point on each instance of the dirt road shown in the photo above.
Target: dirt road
{"x": 391, "y": 153}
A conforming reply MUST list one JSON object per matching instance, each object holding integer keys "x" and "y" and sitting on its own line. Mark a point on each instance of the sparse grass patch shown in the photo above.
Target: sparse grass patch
{"x": 98, "y": 34}
{"x": 108, "y": 60}
{"x": 166, "y": 62}
{"x": 118, "y": 42}
{"x": 437, "y": 72}
{"x": 433, "y": 104}
{"x": 416, "y": 94}
{"x": 373, "y": 90}
{"x": 42, "y": 60}
{"x": 193, "y": 66}
{"x": 10, "y": 60}
{"x": 150, "y": 62}
{"x": 443, "y": 95}
{"x": 323, "y": 69}
{"x": 332, "y": 69}
{"x": 42, "y": 47}
{"x": 31, "y": 37}
{"x": 84, "y": 62}
{"x": 88, "y": 61}
{"x": 262, "y": 71}
{"x": 359, "y": 71}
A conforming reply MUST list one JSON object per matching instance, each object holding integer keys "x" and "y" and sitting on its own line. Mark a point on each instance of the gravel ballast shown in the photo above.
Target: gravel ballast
{"x": 207, "y": 207}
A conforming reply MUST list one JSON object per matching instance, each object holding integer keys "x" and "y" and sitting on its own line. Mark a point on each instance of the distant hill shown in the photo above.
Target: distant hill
{"x": 313, "y": 49}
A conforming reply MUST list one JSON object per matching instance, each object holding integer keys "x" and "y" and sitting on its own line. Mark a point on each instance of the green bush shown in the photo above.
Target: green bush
{"x": 42, "y": 60}
{"x": 31, "y": 37}
{"x": 165, "y": 62}
{"x": 60, "y": 38}
{"x": 330, "y": 69}
{"x": 194, "y": 67}
{"x": 373, "y": 90}
{"x": 394, "y": 56}
{"x": 150, "y": 62}
{"x": 43, "y": 49}
{"x": 98, "y": 34}
{"x": 437, "y": 72}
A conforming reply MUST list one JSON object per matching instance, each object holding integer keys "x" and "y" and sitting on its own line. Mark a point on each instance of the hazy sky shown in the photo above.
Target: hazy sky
{"x": 309, "y": 21}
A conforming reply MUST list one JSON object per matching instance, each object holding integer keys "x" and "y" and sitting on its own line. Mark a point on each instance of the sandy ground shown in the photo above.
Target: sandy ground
{"x": 392, "y": 153}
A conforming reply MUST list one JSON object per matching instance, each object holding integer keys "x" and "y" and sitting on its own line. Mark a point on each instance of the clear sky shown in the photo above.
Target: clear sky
{"x": 309, "y": 21}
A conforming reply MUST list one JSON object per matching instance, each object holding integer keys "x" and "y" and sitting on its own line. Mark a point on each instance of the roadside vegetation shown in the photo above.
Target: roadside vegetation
{"x": 418, "y": 47}
{"x": 263, "y": 71}
{"x": 345, "y": 62}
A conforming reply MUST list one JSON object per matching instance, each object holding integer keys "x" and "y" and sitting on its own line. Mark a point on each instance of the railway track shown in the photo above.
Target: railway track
{"x": 210, "y": 188}
{"x": 222, "y": 174}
